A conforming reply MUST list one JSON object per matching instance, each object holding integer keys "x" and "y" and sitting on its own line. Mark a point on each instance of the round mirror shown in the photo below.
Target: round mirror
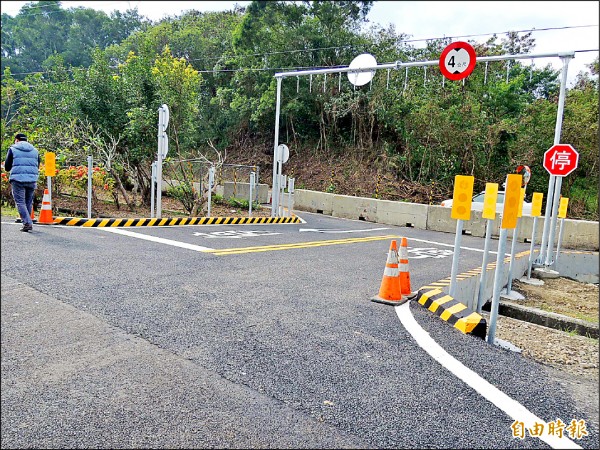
{"x": 361, "y": 62}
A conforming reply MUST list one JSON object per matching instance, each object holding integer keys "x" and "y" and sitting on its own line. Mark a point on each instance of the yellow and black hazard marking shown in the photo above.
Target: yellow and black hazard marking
{"x": 453, "y": 312}
{"x": 160, "y": 222}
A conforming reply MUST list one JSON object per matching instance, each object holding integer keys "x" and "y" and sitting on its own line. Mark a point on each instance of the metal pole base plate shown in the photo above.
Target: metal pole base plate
{"x": 532, "y": 281}
{"x": 512, "y": 295}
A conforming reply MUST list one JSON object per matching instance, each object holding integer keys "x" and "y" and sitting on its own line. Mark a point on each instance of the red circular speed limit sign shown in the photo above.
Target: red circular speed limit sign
{"x": 457, "y": 61}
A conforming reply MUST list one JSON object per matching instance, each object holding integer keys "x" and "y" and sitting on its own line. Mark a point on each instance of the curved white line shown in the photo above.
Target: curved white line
{"x": 502, "y": 401}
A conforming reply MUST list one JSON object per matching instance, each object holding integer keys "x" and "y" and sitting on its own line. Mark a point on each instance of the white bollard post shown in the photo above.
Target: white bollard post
{"x": 483, "y": 280}
{"x": 251, "y": 199}
{"x": 211, "y": 182}
{"x": 455, "y": 257}
{"x": 89, "y": 187}
{"x": 152, "y": 189}
{"x": 497, "y": 285}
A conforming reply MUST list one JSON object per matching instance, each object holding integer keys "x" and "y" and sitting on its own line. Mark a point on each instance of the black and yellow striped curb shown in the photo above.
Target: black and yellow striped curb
{"x": 159, "y": 222}
{"x": 453, "y": 312}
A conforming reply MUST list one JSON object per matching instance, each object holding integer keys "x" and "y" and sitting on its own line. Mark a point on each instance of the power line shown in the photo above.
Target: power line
{"x": 265, "y": 54}
{"x": 69, "y": 9}
{"x": 242, "y": 69}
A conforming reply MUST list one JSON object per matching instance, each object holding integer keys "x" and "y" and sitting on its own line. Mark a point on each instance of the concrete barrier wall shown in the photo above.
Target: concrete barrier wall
{"x": 578, "y": 265}
{"x": 242, "y": 190}
{"x": 402, "y": 214}
{"x": 577, "y": 234}
{"x": 313, "y": 201}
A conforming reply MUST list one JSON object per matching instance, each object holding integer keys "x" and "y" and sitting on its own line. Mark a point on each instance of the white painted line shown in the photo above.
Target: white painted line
{"x": 325, "y": 230}
{"x": 502, "y": 401}
{"x": 197, "y": 248}
{"x": 452, "y": 245}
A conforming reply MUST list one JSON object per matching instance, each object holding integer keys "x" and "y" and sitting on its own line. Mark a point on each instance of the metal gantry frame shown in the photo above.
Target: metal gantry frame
{"x": 555, "y": 182}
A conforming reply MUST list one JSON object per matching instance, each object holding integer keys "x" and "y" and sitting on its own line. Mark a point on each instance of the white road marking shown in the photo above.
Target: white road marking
{"x": 197, "y": 248}
{"x": 452, "y": 245}
{"x": 502, "y": 401}
{"x": 325, "y": 230}
{"x": 236, "y": 234}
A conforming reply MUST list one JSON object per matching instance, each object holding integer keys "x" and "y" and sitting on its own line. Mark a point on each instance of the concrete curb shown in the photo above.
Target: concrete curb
{"x": 548, "y": 319}
{"x": 158, "y": 222}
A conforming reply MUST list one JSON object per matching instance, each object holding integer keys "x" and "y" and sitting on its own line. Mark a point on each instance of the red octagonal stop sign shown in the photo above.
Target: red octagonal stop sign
{"x": 560, "y": 160}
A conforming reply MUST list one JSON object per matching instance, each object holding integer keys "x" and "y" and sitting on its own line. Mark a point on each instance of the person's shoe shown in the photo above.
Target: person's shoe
{"x": 27, "y": 228}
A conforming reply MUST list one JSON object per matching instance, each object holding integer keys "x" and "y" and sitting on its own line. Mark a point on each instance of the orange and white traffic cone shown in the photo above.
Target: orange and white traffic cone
{"x": 403, "y": 272}
{"x": 46, "y": 211}
{"x": 389, "y": 292}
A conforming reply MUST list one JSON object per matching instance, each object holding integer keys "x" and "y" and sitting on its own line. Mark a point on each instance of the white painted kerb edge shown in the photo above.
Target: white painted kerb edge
{"x": 502, "y": 401}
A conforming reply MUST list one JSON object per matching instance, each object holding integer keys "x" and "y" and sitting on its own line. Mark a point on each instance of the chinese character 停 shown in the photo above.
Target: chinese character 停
{"x": 560, "y": 159}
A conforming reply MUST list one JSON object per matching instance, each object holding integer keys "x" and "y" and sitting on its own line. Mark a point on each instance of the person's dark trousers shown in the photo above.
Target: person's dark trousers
{"x": 23, "y": 195}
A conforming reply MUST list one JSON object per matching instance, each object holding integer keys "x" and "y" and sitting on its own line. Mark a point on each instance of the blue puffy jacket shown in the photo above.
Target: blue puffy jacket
{"x": 25, "y": 162}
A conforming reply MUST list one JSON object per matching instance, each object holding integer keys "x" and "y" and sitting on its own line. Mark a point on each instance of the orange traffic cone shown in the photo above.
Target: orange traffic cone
{"x": 389, "y": 292}
{"x": 403, "y": 272}
{"x": 46, "y": 211}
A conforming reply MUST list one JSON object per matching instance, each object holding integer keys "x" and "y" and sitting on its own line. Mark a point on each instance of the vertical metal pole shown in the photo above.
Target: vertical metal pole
{"x": 455, "y": 256}
{"x": 289, "y": 208}
{"x": 251, "y": 199}
{"x": 256, "y": 182}
{"x": 531, "y": 247}
{"x": 547, "y": 216}
{"x": 211, "y": 182}
{"x": 161, "y": 144}
{"x": 159, "y": 185}
{"x": 560, "y": 236}
{"x": 485, "y": 74}
{"x": 152, "y": 189}
{"x": 484, "y": 263}
{"x": 49, "y": 184}
{"x": 275, "y": 188}
{"x": 512, "y": 256}
{"x": 555, "y": 202}
{"x": 282, "y": 181}
{"x": 497, "y": 285}
{"x": 89, "y": 187}
{"x": 557, "y": 130}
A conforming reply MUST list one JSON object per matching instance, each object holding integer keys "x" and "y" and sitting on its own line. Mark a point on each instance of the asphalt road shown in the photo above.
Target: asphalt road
{"x": 249, "y": 336}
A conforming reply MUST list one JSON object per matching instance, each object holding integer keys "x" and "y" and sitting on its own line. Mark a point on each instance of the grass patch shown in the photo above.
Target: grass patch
{"x": 586, "y": 317}
{"x": 9, "y": 211}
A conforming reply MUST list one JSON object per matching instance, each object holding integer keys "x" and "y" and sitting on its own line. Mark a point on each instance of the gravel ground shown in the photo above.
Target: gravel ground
{"x": 570, "y": 358}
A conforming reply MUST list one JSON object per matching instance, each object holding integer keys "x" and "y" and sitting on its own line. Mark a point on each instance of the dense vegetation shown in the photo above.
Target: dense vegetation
{"x": 80, "y": 82}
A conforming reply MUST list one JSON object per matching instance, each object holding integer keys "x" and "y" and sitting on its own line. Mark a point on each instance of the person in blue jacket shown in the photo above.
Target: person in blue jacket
{"x": 23, "y": 162}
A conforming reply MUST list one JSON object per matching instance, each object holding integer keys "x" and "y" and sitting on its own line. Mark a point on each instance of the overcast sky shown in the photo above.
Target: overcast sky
{"x": 434, "y": 19}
